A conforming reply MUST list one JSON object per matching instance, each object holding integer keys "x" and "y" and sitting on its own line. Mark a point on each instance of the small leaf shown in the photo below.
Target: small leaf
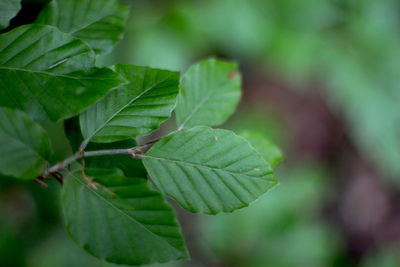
{"x": 122, "y": 221}
{"x": 270, "y": 152}
{"x": 24, "y": 145}
{"x": 100, "y": 23}
{"x": 132, "y": 110}
{"x": 207, "y": 170}
{"x": 8, "y": 10}
{"x": 210, "y": 92}
{"x": 49, "y": 74}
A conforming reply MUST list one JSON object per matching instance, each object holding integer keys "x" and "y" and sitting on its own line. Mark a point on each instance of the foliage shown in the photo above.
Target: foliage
{"x": 100, "y": 23}
{"x": 350, "y": 47}
{"x": 135, "y": 109}
{"x": 211, "y": 101}
{"x": 93, "y": 217}
{"x": 229, "y": 176}
{"x": 48, "y": 74}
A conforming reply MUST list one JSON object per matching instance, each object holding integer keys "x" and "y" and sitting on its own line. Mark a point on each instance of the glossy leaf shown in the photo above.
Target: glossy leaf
{"x": 122, "y": 221}
{"x": 8, "y": 10}
{"x": 207, "y": 170}
{"x": 49, "y": 74}
{"x": 210, "y": 92}
{"x": 24, "y": 145}
{"x": 100, "y": 23}
{"x": 132, "y": 110}
{"x": 270, "y": 152}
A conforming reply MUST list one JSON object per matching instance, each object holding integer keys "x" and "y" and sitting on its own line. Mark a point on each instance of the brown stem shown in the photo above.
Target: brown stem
{"x": 136, "y": 152}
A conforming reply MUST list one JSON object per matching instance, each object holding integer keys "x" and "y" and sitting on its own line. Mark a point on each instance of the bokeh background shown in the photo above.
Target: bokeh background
{"x": 321, "y": 79}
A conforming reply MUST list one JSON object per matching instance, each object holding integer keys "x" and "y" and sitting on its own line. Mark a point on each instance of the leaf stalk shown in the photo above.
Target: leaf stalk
{"x": 136, "y": 152}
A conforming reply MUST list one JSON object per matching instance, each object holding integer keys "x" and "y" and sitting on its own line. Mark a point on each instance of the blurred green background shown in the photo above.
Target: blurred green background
{"x": 322, "y": 80}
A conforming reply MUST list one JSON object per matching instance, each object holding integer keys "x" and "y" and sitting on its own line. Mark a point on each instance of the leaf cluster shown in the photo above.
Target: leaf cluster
{"x": 114, "y": 188}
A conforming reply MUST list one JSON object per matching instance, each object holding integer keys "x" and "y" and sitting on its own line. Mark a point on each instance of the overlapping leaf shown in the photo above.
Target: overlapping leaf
{"x": 49, "y": 74}
{"x": 207, "y": 170}
{"x": 24, "y": 145}
{"x": 122, "y": 221}
{"x": 134, "y": 109}
{"x": 8, "y": 9}
{"x": 100, "y": 23}
{"x": 210, "y": 92}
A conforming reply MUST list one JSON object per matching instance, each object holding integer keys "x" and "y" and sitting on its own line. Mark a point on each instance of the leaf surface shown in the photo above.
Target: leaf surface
{"x": 49, "y": 74}
{"x": 134, "y": 109}
{"x": 207, "y": 170}
{"x": 122, "y": 221}
{"x": 8, "y": 10}
{"x": 100, "y": 23}
{"x": 210, "y": 92}
{"x": 24, "y": 145}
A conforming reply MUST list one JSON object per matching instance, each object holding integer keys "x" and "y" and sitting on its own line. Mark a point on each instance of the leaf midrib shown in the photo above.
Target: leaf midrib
{"x": 54, "y": 74}
{"x": 124, "y": 107}
{"x": 201, "y": 103}
{"x": 264, "y": 177}
{"x": 123, "y": 213}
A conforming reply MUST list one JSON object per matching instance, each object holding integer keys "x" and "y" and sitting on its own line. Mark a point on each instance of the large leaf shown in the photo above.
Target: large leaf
{"x": 207, "y": 170}
{"x": 24, "y": 145}
{"x": 210, "y": 92}
{"x": 129, "y": 165}
{"x": 134, "y": 109}
{"x": 100, "y": 23}
{"x": 40, "y": 73}
{"x": 270, "y": 152}
{"x": 8, "y": 9}
{"x": 122, "y": 221}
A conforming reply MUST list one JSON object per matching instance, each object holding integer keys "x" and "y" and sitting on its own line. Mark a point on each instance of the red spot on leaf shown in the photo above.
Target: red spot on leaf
{"x": 232, "y": 75}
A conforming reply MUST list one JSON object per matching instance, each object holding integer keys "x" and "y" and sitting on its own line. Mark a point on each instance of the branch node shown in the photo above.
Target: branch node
{"x": 133, "y": 152}
{"x": 41, "y": 183}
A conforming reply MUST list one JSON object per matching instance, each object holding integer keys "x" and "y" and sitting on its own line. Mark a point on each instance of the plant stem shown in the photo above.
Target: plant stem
{"x": 136, "y": 152}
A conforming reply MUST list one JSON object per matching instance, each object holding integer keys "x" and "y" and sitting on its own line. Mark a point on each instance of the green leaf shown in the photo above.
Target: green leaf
{"x": 210, "y": 92}
{"x": 49, "y": 74}
{"x": 100, "y": 23}
{"x": 132, "y": 110}
{"x": 24, "y": 145}
{"x": 8, "y": 10}
{"x": 270, "y": 152}
{"x": 122, "y": 221}
{"x": 207, "y": 170}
